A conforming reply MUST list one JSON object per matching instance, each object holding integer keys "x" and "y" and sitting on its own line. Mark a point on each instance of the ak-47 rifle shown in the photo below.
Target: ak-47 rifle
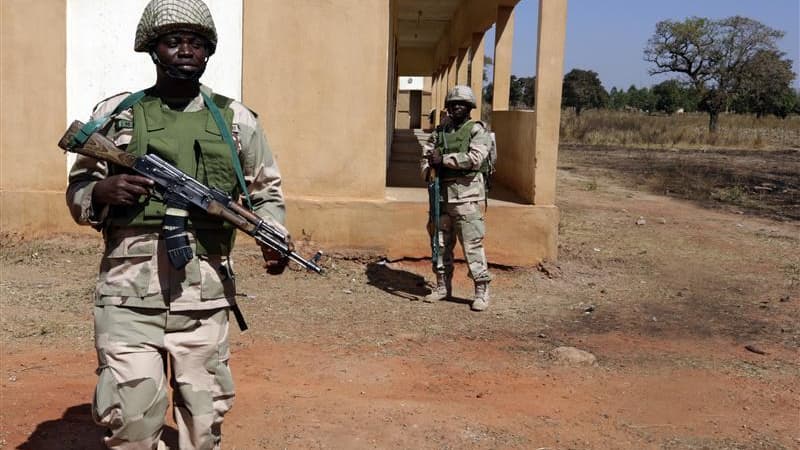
{"x": 176, "y": 187}
{"x": 434, "y": 208}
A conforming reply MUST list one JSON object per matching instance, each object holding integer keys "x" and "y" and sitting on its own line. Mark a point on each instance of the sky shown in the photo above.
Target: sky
{"x": 609, "y": 36}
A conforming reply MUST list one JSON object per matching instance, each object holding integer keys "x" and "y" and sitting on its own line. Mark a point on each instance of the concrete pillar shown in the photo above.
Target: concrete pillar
{"x": 440, "y": 92}
{"x": 476, "y": 76}
{"x": 462, "y": 63}
{"x": 452, "y": 70}
{"x": 503, "y": 43}
{"x": 549, "y": 76}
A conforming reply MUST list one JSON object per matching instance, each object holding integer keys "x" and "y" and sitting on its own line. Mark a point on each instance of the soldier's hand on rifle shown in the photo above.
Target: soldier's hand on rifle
{"x": 435, "y": 157}
{"x": 273, "y": 261}
{"x": 121, "y": 189}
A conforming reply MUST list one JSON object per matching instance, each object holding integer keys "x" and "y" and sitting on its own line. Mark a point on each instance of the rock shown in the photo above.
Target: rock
{"x": 550, "y": 269}
{"x": 573, "y": 356}
{"x": 662, "y": 220}
{"x": 755, "y": 349}
{"x": 640, "y": 221}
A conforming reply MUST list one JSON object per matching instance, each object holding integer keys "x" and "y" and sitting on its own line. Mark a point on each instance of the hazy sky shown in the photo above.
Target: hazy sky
{"x": 609, "y": 36}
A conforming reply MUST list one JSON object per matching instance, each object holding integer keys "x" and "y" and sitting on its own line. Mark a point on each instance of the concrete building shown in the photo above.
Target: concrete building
{"x": 323, "y": 77}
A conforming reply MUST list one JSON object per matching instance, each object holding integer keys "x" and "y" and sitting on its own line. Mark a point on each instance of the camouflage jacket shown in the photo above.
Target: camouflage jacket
{"x": 134, "y": 270}
{"x": 461, "y": 189}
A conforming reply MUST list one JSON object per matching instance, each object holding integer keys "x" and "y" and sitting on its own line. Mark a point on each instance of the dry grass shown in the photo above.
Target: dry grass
{"x": 689, "y": 131}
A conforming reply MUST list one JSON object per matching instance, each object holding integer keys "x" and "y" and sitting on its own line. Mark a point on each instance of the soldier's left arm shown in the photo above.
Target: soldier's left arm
{"x": 479, "y": 144}
{"x": 427, "y": 149}
{"x": 261, "y": 171}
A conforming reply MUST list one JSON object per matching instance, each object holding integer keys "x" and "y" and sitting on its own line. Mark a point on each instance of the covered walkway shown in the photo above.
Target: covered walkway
{"x": 403, "y": 181}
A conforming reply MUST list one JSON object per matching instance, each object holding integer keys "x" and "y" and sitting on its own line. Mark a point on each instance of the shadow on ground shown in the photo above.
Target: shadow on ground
{"x": 76, "y": 430}
{"x": 401, "y": 283}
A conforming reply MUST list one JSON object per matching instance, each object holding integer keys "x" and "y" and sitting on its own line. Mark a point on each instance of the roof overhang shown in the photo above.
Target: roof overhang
{"x": 429, "y": 32}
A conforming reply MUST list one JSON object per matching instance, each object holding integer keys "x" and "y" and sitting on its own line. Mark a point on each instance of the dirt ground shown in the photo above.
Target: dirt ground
{"x": 690, "y": 306}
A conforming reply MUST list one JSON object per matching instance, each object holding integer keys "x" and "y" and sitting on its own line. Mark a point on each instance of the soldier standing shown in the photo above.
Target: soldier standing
{"x": 458, "y": 151}
{"x": 151, "y": 312}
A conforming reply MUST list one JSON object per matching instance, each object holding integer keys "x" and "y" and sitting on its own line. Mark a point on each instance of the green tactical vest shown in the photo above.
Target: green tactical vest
{"x": 192, "y": 142}
{"x": 457, "y": 142}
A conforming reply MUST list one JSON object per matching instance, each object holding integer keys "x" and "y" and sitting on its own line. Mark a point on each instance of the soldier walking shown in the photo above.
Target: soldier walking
{"x": 151, "y": 309}
{"x": 457, "y": 152}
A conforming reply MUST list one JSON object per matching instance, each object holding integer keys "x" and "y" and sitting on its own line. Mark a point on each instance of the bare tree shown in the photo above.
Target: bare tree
{"x": 711, "y": 54}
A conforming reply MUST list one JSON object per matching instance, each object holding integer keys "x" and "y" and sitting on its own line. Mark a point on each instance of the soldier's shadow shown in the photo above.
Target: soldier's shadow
{"x": 402, "y": 283}
{"x": 75, "y": 430}
{"x": 398, "y": 282}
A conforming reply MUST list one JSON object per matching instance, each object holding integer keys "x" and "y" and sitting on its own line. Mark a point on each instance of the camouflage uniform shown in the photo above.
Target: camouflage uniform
{"x": 462, "y": 192}
{"x": 147, "y": 313}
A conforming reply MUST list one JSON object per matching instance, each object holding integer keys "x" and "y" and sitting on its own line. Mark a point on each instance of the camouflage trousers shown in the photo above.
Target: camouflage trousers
{"x": 134, "y": 348}
{"x": 462, "y": 222}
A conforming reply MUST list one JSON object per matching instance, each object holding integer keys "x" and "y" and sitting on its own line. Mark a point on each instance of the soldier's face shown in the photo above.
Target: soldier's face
{"x": 459, "y": 111}
{"x": 183, "y": 53}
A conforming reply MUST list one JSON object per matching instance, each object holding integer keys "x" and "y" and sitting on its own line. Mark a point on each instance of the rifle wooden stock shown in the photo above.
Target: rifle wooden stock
{"x": 97, "y": 146}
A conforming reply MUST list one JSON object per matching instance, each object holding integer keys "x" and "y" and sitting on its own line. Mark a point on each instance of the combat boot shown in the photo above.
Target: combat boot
{"x": 481, "y": 300}
{"x": 442, "y": 289}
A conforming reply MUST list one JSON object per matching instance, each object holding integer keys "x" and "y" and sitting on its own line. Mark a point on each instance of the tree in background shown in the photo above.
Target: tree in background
{"x": 617, "y": 99}
{"x": 488, "y": 91}
{"x": 488, "y": 94}
{"x": 523, "y": 92}
{"x": 640, "y": 99}
{"x": 669, "y": 96}
{"x": 711, "y": 54}
{"x": 515, "y": 90}
{"x": 797, "y": 102}
{"x": 582, "y": 89}
{"x": 766, "y": 85}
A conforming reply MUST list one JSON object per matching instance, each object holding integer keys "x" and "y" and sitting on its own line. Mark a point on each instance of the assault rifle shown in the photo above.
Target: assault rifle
{"x": 434, "y": 207}
{"x": 177, "y": 188}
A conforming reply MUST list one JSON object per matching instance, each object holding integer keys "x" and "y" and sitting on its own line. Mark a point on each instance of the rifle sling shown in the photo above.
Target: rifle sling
{"x": 95, "y": 125}
{"x": 226, "y": 135}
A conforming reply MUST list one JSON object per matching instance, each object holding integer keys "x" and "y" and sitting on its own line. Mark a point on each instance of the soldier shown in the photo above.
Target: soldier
{"x": 458, "y": 151}
{"x": 149, "y": 311}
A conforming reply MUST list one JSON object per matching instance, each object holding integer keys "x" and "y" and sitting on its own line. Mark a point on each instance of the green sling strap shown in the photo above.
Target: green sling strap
{"x": 93, "y": 126}
{"x": 226, "y": 135}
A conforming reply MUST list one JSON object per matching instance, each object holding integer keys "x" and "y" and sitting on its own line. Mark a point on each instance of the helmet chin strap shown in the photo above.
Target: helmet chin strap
{"x": 174, "y": 72}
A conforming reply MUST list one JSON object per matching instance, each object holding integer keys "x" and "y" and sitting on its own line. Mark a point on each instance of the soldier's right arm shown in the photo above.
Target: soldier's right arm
{"x": 86, "y": 171}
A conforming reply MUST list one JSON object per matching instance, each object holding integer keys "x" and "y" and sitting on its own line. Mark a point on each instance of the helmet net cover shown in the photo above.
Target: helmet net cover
{"x": 460, "y": 93}
{"x": 165, "y": 16}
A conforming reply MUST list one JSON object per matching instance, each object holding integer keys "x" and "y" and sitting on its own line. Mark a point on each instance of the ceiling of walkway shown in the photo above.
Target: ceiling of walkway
{"x": 421, "y": 23}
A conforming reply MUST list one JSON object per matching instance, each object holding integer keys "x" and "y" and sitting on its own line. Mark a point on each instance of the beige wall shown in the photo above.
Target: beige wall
{"x": 518, "y": 235}
{"x": 32, "y": 114}
{"x": 320, "y": 89}
{"x": 415, "y": 61}
{"x": 427, "y": 105}
{"x": 515, "y": 134}
{"x": 403, "y": 115}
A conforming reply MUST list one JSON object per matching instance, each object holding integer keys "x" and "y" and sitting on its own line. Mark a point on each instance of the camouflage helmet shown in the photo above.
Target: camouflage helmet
{"x": 165, "y": 16}
{"x": 460, "y": 93}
